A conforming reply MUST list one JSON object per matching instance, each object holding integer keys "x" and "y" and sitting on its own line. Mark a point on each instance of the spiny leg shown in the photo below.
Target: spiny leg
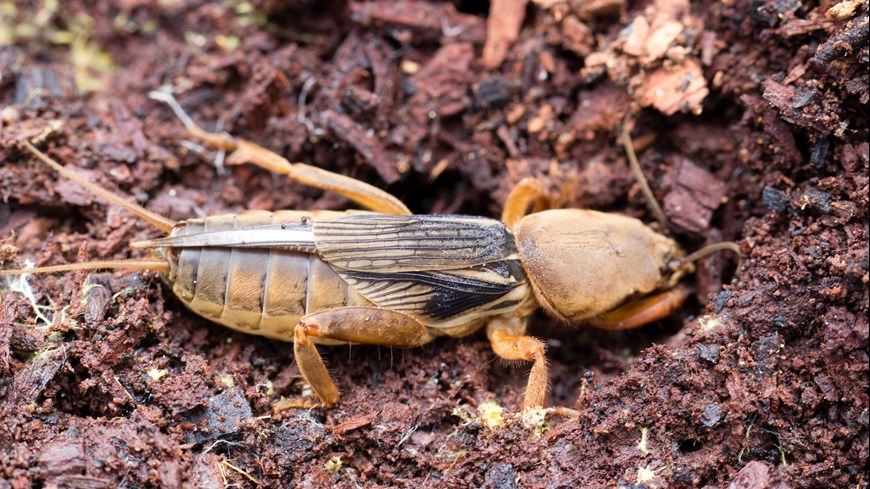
{"x": 528, "y": 190}
{"x": 243, "y": 151}
{"x": 509, "y": 343}
{"x": 643, "y": 311}
{"x": 355, "y": 325}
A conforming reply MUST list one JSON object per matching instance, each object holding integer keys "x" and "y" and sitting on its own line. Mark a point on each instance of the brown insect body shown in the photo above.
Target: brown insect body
{"x": 391, "y": 278}
{"x": 260, "y": 272}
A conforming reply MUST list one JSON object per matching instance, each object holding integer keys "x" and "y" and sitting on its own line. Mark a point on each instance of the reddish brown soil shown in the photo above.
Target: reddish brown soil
{"x": 758, "y": 104}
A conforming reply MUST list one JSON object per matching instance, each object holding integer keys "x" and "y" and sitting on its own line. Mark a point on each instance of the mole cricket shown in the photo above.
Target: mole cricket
{"x": 382, "y": 276}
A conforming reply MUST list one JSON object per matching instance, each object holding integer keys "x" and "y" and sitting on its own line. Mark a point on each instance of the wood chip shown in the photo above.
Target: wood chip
{"x": 678, "y": 89}
{"x": 695, "y": 195}
{"x": 502, "y": 30}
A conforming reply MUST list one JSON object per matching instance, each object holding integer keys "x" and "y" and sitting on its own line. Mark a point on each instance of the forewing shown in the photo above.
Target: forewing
{"x": 368, "y": 242}
{"x": 437, "y": 268}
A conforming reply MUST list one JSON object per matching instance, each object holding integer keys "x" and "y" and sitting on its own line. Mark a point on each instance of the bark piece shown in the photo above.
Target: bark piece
{"x": 678, "y": 89}
{"x": 363, "y": 141}
{"x": 695, "y": 195}
{"x": 502, "y": 30}
{"x": 423, "y": 20}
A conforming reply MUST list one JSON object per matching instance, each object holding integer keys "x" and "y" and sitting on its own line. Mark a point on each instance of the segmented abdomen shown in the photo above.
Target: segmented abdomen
{"x": 253, "y": 290}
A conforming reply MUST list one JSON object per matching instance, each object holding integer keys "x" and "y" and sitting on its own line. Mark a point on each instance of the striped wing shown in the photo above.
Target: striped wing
{"x": 437, "y": 268}
{"x": 385, "y": 243}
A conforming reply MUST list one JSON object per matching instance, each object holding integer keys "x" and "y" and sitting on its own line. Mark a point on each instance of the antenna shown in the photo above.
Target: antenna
{"x": 153, "y": 218}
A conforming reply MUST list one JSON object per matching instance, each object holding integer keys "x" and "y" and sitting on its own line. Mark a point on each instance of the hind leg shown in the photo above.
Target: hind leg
{"x": 354, "y": 325}
{"x": 243, "y": 151}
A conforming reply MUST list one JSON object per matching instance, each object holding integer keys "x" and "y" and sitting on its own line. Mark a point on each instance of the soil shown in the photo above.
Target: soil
{"x": 750, "y": 120}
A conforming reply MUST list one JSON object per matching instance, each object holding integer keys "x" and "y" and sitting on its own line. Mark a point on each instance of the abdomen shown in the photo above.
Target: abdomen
{"x": 257, "y": 291}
